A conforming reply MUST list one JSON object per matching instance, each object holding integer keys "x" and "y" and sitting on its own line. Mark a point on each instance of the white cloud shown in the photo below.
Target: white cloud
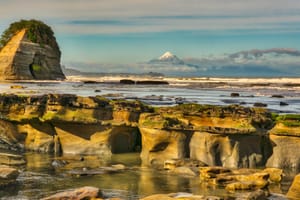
{"x": 255, "y": 14}
{"x": 278, "y": 58}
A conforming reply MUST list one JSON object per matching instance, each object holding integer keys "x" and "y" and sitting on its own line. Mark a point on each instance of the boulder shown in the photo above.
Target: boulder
{"x": 277, "y": 96}
{"x": 246, "y": 185}
{"x": 78, "y": 193}
{"x": 235, "y": 179}
{"x": 234, "y": 94}
{"x": 152, "y": 82}
{"x": 127, "y": 81}
{"x": 30, "y": 51}
{"x": 255, "y": 195}
{"x": 207, "y": 173}
{"x": 294, "y": 191}
{"x": 259, "y": 104}
{"x": 8, "y": 175}
{"x": 281, "y": 103}
{"x": 275, "y": 174}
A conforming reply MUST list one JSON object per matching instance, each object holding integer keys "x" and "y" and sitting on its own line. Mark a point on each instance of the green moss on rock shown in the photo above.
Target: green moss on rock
{"x": 37, "y": 32}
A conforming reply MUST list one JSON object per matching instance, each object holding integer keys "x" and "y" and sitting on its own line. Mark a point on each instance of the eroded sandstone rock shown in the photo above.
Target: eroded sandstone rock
{"x": 69, "y": 124}
{"x": 230, "y": 150}
{"x": 230, "y": 136}
{"x": 161, "y": 145}
{"x": 294, "y": 191}
{"x": 284, "y": 153}
{"x": 31, "y": 53}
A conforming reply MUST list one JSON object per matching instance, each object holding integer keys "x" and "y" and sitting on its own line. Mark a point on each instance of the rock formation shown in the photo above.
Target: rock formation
{"x": 294, "y": 192}
{"x": 228, "y": 136}
{"x": 29, "y": 51}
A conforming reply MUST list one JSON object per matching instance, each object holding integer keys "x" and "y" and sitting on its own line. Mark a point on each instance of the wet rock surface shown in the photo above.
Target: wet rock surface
{"x": 294, "y": 191}
{"x": 181, "y": 139}
{"x": 8, "y": 175}
{"x": 79, "y": 193}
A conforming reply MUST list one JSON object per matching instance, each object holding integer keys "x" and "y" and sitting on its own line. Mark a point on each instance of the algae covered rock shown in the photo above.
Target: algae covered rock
{"x": 231, "y": 136}
{"x": 28, "y": 50}
{"x": 287, "y": 125}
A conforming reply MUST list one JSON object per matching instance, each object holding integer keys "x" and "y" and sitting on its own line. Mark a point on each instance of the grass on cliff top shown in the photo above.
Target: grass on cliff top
{"x": 37, "y": 32}
{"x": 289, "y": 120}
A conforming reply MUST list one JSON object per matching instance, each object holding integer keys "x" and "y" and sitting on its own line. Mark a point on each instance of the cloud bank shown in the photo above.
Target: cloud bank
{"x": 267, "y": 62}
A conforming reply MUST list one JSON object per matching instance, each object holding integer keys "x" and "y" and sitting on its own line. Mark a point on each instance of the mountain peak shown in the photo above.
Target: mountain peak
{"x": 167, "y": 59}
{"x": 167, "y": 55}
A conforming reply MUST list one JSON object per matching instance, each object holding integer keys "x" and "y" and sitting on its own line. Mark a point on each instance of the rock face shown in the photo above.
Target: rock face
{"x": 294, "y": 191}
{"x": 230, "y": 136}
{"x": 31, "y": 54}
{"x": 285, "y": 138}
{"x": 69, "y": 124}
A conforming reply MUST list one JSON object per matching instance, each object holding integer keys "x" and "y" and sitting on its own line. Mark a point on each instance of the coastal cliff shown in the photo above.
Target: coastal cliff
{"x": 228, "y": 136}
{"x": 29, "y": 51}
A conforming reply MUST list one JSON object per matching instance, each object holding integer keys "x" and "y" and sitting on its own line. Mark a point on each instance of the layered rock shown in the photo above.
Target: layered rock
{"x": 70, "y": 124}
{"x": 285, "y": 138}
{"x": 30, "y": 53}
{"x": 230, "y": 136}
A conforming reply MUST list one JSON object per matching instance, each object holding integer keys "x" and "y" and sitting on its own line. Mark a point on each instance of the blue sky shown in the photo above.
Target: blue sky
{"x": 118, "y": 35}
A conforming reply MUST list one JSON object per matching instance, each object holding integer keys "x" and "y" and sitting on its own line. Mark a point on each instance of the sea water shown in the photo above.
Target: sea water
{"x": 202, "y": 91}
{"x": 39, "y": 178}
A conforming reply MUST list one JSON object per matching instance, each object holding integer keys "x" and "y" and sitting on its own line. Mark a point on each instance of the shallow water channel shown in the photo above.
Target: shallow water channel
{"x": 40, "y": 179}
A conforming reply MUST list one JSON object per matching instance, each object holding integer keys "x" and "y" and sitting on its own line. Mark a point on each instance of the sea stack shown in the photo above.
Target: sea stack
{"x": 29, "y": 51}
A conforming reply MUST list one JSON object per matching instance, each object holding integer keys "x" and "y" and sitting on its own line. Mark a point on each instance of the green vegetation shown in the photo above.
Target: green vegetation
{"x": 37, "y": 32}
{"x": 36, "y": 68}
{"x": 289, "y": 120}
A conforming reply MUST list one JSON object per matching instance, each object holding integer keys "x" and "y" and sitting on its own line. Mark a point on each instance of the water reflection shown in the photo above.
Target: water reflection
{"x": 39, "y": 178}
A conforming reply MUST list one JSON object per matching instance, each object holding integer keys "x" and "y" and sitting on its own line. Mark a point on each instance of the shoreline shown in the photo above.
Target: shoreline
{"x": 184, "y": 139}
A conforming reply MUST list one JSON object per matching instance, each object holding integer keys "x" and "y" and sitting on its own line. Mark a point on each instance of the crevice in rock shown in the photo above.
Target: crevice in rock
{"x": 32, "y": 71}
{"x": 125, "y": 141}
{"x": 160, "y": 147}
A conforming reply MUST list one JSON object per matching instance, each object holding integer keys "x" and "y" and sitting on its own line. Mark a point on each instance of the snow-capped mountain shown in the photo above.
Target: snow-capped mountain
{"x": 167, "y": 58}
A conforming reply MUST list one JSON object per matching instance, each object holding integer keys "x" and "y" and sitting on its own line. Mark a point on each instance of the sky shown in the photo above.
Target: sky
{"x": 123, "y": 35}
